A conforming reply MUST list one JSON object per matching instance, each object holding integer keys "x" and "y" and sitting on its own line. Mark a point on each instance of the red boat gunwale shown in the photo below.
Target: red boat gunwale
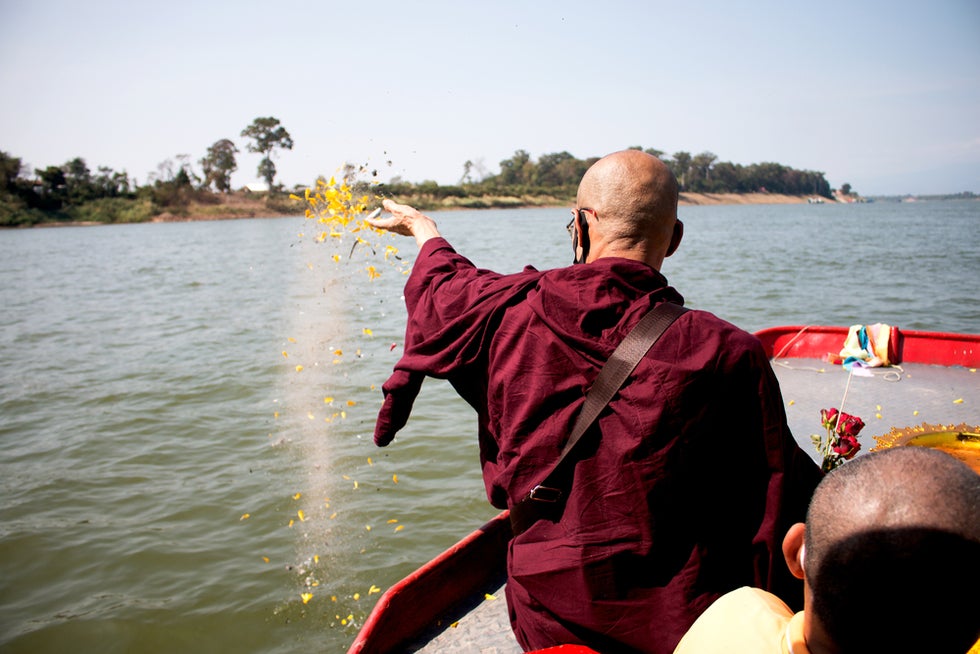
{"x": 425, "y": 594}
{"x": 816, "y": 342}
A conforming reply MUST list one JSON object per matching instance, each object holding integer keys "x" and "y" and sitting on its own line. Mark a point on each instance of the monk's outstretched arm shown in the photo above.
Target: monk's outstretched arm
{"x": 407, "y": 221}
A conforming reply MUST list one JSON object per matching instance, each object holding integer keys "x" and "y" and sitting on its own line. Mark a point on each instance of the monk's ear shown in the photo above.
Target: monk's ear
{"x": 793, "y": 549}
{"x": 675, "y": 238}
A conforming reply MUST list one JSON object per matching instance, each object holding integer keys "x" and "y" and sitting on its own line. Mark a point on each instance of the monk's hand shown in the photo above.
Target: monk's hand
{"x": 407, "y": 221}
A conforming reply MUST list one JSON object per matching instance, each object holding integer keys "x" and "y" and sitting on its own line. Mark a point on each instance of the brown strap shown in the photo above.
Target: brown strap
{"x": 613, "y": 375}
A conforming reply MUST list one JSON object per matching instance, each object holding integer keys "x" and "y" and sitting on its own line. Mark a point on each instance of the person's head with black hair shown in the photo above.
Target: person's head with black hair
{"x": 890, "y": 555}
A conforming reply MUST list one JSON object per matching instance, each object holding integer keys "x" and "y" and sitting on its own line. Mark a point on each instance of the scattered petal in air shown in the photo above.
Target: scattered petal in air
{"x": 958, "y": 401}
{"x": 399, "y": 528}
{"x": 355, "y": 483}
{"x": 351, "y": 403}
{"x": 394, "y": 478}
{"x": 333, "y": 515}
{"x": 392, "y": 521}
{"x": 338, "y": 352}
{"x": 297, "y": 496}
{"x": 285, "y": 353}
{"x": 373, "y": 589}
{"x": 392, "y": 346}
{"x": 327, "y": 400}
{"x": 316, "y": 558}
{"x": 370, "y": 462}
{"x": 357, "y": 597}
{"x": 367, "y": 332}
{"x": 792, "y": 402}
{"x": 306, "y": 597}
{"x": 367, "y": 527}
{"x": 291, "y": 339}
{"x": 489, "y": 597}
{"x": 454, "y": 624}
{"x": 245, "y": 516}
{"x": 299, "y": 368}
{"x": 915, "y": 413}
{"x": 265, "y": 559}
{"x": 301, "y": 515}
{"x": 290, "y": 523}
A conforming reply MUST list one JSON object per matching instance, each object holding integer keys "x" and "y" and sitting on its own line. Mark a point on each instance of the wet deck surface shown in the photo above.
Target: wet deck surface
{"x": 907, "y": 396}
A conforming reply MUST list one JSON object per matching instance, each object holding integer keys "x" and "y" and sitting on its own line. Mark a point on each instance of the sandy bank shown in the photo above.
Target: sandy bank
{"x": 240, "y": 206}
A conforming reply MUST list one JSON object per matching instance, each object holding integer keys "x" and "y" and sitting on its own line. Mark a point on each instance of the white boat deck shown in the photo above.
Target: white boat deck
{"x": 902, "y": 397}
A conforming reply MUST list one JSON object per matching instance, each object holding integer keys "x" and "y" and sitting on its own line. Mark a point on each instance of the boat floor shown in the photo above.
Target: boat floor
{"x": 897, "y": 397}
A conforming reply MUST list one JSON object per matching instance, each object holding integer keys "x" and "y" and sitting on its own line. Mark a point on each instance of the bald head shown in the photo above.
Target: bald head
{"x": 894, "y": 537}
{"x": 634, "y": 196}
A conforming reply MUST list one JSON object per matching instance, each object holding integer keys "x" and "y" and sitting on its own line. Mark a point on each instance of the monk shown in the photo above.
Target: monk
{"x": 890, "y": 554}
{"x": 689, "y": 479}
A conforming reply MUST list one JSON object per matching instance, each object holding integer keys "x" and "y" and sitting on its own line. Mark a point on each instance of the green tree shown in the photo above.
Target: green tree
{"x": 219, "y": 164}
{"x": 9, "y": 170}
{"x": 267, "y": 135}
{"x": 680, "y": 165}
{"x": 517, "y": 169}
{"x": 845, "y": 189}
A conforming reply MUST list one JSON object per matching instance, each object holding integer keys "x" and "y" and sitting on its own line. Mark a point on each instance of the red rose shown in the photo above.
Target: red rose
{"x": 849, "y": 426}
{"x": 828, "y": 418}
{"x": 847, "y": 446}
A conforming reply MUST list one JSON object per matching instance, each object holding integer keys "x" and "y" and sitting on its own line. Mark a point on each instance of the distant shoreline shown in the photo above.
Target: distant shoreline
{"x": 242, "y": 205}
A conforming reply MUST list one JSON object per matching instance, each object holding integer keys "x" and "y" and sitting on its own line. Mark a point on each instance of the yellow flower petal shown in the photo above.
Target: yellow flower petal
{"x": 297, "y": 496}
{"x": 373, "y": 589}
{"x": 301, "y": 515}
{"x": 959, "y": 401}
{"x": 299, "y": 368}
{"x": 245, "y": 516}
{"x": 488, "y": 597}
{"x": 394, "y": 478}
{"x": 306, "y": 597}
{"x": 399, "y": 528}
{"x": 367, "y": 332}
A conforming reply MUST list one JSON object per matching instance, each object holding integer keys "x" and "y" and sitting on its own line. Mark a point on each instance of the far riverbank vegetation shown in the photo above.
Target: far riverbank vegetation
{"x": 179, "y": 190}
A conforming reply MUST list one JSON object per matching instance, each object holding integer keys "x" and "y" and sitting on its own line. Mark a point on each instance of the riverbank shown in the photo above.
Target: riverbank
{"x": 252, "y": 206}
{"x": 259, "y": 205}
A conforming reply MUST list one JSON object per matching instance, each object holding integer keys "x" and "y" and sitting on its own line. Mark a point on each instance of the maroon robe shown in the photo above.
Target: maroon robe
{"x": 683, "y": 492}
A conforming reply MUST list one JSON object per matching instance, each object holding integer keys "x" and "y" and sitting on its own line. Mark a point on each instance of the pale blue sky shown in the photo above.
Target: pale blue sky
{"x": 882, "y": 95}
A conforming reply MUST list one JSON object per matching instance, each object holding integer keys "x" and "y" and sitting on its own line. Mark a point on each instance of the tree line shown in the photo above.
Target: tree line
{"x": 73, "y": 192}
{"x": 558, "y": 174}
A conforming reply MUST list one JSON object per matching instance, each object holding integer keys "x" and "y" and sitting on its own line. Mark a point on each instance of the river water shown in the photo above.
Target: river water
{"x": 186, "y": 408}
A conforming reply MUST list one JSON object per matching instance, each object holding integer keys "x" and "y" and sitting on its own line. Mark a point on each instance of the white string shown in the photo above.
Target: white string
{"x": 840, "y": 411}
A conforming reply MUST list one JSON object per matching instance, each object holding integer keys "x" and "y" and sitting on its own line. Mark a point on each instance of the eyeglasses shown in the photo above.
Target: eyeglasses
{"x": 575, "y": 212}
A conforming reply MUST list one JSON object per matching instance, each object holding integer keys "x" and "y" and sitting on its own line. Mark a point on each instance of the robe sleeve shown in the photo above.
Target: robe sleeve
{"x": 452, "y": 308}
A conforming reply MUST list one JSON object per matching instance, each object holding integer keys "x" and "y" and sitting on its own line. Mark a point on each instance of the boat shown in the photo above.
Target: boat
{"x": 455, "y": 602}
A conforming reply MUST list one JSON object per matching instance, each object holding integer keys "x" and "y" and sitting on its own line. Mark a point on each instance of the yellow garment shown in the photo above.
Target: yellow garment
{"x": 746, "y": 621}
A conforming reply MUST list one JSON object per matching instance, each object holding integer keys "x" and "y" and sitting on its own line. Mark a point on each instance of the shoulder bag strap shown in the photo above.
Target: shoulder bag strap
{"x": 623, "y": 361}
